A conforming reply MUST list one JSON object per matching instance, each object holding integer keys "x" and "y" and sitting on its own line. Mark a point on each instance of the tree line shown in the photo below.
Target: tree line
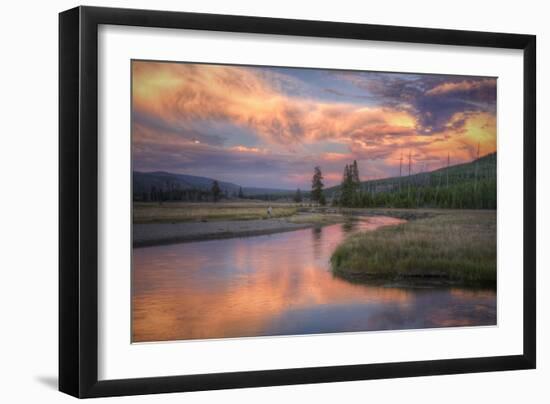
{"x": 470, "y": 186}
{"x": 172, "y": 192}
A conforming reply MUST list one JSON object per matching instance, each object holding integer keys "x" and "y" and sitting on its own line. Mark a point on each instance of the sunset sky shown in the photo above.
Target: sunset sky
{"x": 268, "y": 126}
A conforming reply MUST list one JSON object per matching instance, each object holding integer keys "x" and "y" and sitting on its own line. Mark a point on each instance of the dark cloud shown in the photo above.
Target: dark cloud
{"x": 434, "y": 99}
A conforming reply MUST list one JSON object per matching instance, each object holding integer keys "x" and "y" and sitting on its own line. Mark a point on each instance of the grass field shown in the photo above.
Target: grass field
{"x": 168, "y": 212}
{"x": 459, "y": 246}
{"x": 317, "y": 218}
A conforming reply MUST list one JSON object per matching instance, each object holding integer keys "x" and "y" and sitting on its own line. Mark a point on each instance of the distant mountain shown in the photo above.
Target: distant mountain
{"x": 143, "y": 182}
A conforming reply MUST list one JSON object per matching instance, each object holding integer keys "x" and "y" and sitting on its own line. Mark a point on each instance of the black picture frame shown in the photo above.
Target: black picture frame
{"x": 78, "y": 201}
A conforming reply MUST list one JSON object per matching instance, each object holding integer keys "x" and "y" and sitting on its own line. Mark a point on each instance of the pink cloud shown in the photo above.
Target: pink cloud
{"x": 289, "y": 128}
{"x": 179, "y": 93}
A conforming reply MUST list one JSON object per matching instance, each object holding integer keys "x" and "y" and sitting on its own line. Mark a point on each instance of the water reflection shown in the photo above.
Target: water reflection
{"x": 317, "y": 241}
{"x": 280, "y": 284}
{"x": 352, "y": 225}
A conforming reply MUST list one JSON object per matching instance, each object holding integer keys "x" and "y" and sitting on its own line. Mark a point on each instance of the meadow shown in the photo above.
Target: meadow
{"x": 173, "y": 212}
{"x": 444, "y": 245}
{"x": 457, "y": 246}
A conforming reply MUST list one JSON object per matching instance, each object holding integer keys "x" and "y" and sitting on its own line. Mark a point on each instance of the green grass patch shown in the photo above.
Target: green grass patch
{"x": 459, "y": 246}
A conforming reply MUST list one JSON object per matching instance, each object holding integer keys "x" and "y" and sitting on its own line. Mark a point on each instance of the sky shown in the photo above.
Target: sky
{"x": 270, "y": 126}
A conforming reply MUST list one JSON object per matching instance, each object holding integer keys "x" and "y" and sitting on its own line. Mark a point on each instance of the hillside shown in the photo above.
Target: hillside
{"x": 144, "y": 183}
{"x": 460, "y": 173}
{"x": 468, "y": 185}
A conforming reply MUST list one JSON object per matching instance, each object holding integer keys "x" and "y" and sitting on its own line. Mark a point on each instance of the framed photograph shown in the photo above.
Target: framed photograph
{"x": 251, "y": 201}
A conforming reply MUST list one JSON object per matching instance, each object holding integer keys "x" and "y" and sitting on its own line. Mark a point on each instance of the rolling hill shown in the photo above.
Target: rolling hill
{"x": 144, "y": 182}
{"x": 470, "y": 185}
{"x": 482, "y": 168}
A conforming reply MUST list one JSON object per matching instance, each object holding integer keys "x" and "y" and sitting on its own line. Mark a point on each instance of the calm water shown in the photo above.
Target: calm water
{"x": 281, "y": 284}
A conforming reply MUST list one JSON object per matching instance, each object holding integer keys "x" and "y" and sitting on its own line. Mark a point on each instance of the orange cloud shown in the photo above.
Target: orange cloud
{"x": 180, "y": 93}
{"x": 464, "y": 134}
{"x": 337, "y": 156}
{"x": 245, "y": 149}
{"x": 172, "y": 100}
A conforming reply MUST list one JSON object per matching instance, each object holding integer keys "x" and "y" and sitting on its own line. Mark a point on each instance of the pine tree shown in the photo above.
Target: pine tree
{"x": 317, "y": 186}
{"x": 355, "y": 174}
{"x": 356, "y": 185}
{"x": 351, "y": 186}
{"x": 216, "y": 191}
{"x": 346, "y": 187}
{"x": 241, "y": 194}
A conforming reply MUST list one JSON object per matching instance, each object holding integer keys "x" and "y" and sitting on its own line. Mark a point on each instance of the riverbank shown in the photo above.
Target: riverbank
{"x": 177, "y": 212}
{"x": 445, "y": 247}
{"x": 149, "y": 234}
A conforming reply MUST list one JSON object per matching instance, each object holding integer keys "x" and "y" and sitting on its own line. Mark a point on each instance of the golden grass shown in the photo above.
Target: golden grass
{"x": 169, "y": 212}
{"x": 457, "y": 245}
{"x": 316, "y": 218}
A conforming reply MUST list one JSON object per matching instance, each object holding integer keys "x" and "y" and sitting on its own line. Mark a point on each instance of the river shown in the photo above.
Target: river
{"x": 281, "y": 284}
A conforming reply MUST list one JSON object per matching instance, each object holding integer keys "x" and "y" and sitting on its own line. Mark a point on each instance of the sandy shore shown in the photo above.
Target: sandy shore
{"x": 166, "y": 233}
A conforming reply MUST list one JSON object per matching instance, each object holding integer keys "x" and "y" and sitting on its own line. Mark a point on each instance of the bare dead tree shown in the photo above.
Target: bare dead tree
{"x": 409, "y": 178}
{"x": 438, "y": 185}
{"x": 400, "y": 167}
{"x": 448, "y": 164}
{"x": 476, "y": 168}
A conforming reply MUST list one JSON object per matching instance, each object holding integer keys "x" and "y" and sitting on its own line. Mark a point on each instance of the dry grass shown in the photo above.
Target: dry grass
{"x": 457, "y": 245}
{"x": 168, "y": 212}
{"x": 316, "y": 218}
